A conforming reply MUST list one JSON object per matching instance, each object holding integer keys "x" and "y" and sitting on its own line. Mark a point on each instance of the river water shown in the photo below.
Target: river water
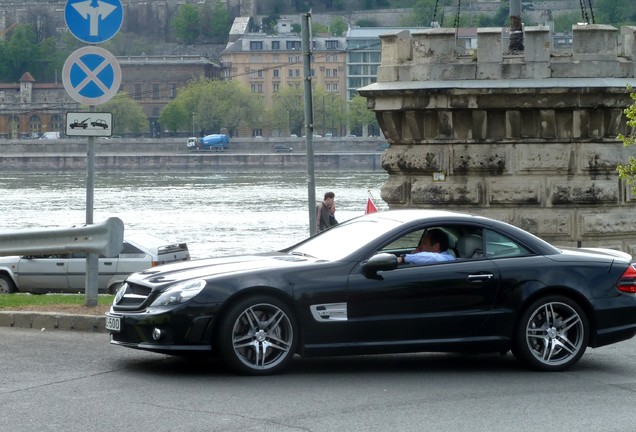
{"x": 216, "y": 214}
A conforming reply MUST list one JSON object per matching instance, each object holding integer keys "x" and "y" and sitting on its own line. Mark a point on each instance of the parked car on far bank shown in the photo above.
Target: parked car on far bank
{"x": 59, "y": 273}
{"x": 282, "y": 148}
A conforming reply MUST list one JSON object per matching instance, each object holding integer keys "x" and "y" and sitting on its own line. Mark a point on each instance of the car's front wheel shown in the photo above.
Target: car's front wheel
{"x": 258, "y": 336}
{"x": 552, "y": 334}
{"x": 6, "y": 285}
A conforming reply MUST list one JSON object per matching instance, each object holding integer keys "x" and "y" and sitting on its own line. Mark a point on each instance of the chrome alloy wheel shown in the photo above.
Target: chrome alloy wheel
{"x": 262, "y": 337}
{"x": 556, "y": 334}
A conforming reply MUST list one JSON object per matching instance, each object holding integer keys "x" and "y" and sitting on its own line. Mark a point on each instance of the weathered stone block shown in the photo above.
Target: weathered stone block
{"x": 594, "y": 41}
{"x": 600, "y": 159}
{"x": 628, "y": 37}
{"x": 395, "y": 190}
{"x": 434, "y": 46}
{"x": 488, "y": 71}
{"x": 582, "y": 192}
{"x": 482, "y": 158}
{"x": 545, "y": 223}
{"x": 514, "y": 191}
{"x": 388, "y": 73}
{"x": 543, "y": 158}
{"x": 427, "y": 159}
{"x": 396, "y": 47}
{"x": 425, "y": 192}
{"x": 489, "y": 41}
{"x": 601, "y": 223}
{"x": 537, "y": 44}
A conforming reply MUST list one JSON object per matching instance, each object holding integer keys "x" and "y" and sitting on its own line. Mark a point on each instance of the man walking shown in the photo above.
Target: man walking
{"x": 324, "y": 213}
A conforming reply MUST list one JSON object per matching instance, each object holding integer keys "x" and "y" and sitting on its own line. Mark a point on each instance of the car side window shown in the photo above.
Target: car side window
{"x": 404, "y": 244}
{"x": 127, "y": 248}
{"x": 411, "y": 241}
{"x": 498, "y": 245}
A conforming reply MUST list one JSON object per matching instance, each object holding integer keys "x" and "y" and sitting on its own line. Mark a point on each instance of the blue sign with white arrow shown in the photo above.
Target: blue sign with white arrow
{"x": 91, "y": 75}
{"x": 94, "y": 21}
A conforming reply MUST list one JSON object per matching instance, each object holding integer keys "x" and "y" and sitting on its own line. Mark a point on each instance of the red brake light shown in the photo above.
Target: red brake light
{"x": 627, "y": 282}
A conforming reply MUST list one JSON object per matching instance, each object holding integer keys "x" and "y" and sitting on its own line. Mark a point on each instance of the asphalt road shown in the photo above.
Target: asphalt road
{"x": 76, "y": 381}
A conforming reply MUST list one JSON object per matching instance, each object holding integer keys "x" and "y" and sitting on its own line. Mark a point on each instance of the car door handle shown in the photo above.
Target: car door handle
{"x": 110, "y": 263}
{"x": 480, "y": 277}
{"x": 59, "y": 264}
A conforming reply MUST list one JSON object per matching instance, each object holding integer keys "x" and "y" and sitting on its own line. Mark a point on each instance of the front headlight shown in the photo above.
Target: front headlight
{"x": 179, "y": 293}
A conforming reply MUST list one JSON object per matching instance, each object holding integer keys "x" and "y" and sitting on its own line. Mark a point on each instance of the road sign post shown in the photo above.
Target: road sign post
{"x": 92, "y": 76}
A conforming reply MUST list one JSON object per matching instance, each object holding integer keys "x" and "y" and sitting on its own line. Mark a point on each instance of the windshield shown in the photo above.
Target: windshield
{"x": 344, "y": 239}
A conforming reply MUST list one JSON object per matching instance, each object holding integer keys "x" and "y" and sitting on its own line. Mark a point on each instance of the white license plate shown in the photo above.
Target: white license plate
{"x": 113, "y": 323}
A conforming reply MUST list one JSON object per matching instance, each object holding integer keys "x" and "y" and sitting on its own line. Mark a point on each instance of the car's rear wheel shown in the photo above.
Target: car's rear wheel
{"x": 258, "y": 336}
{"x": 552, "y": 334}
{"x": 6, "y": 285}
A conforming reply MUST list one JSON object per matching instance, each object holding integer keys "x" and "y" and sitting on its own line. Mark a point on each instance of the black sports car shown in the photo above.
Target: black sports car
{"x": 342, "y": 292}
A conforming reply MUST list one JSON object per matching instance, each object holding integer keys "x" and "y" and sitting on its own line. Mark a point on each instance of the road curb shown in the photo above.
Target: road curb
{"x": 53, "y": 321}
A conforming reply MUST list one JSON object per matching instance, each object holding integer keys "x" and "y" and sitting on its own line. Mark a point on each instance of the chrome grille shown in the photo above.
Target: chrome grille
{"x": 131, "y": 296}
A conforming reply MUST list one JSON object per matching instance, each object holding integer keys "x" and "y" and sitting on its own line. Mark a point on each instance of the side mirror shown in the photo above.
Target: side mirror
{"x": 379, "y": 262}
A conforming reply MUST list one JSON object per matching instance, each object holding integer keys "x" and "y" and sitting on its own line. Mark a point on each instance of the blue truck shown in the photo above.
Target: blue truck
{"x": 217, "y": 142}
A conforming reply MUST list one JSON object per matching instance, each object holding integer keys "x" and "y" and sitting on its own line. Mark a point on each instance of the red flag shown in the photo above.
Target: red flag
{"x": 371, "y": 208}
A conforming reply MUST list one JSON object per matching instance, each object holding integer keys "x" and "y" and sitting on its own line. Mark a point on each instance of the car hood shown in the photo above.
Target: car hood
{"x": 217, "y": 267}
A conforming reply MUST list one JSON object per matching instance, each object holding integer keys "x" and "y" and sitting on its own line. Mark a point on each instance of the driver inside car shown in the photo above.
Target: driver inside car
{"x": 433, "y": 248}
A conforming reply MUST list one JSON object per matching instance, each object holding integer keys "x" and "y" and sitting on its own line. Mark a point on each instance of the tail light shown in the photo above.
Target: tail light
{"x": 627, "y": 282}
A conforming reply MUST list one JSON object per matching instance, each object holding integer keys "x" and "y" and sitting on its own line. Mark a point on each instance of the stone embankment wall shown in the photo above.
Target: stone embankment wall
{"x": 147, "y": 155}
{"x": 528, "y": 138}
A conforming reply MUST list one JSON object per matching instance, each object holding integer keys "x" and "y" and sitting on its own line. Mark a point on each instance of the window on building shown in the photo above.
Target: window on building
{"x": 259, "y": 73}
{"x": 328, "y": 58}
{"x": 276, "y": 87}
{"x": 257, "y": 132}
{"x": 290, "y": 59}
{"x": 155, "y": 91}
{"x": 293, "y": 45}
{"x": 332, "y": 44}
{"x": 334, "y": 87}
{"x": 290, "y": 73}
{"x": 275, "y": 45}
{"x": 334, "y": 73}
{"x": 137, "y": 95}
{"x": 256, "y": 45}
{"x": 253, "y": 87}
{"x": 335, "y": 58}
{"x": 297, "y": 72}
{"x": 35, "y": 125}
{"x": 56, "y": 122}
{"x": 328, "y": 87}
{"x": 173, "y": 91}
{"x": 259, "y": 88}
{"x": 276, "y": 73}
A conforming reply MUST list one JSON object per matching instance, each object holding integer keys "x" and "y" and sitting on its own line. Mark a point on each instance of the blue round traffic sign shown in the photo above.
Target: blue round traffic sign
{"x": 92, "y": 21}
{"x": 91, "y": 75}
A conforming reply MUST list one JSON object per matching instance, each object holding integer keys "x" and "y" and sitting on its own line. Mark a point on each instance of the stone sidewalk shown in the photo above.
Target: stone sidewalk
{"x": 53, "y": 321}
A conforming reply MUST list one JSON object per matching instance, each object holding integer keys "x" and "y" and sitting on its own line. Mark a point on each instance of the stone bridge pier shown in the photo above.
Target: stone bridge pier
{"x": 528, "y": 138}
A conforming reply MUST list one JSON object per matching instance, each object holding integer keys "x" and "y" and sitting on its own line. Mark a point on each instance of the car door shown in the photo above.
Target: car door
{"x": 42, "y": 273}
{"x": 417, "y": 303}
{"x": 106, "y": 268}
{"x": 414, "y": 304}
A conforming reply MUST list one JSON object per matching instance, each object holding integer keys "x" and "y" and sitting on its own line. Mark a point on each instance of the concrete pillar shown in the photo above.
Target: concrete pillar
{"x": 594, "y": 42}
{"x": 489, "y": 53}
{"x": 396, "y": 49}
{"x": 436, "y": 45}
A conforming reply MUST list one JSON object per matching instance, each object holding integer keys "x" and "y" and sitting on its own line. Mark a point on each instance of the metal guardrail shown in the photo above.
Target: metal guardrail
{"x": 105, "y": 239}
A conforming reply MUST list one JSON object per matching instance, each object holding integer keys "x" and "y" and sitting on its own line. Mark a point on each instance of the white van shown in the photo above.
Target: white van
{"x": 50, "y": 135}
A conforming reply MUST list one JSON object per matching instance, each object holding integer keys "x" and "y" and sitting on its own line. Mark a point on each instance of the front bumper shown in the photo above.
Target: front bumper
{"x": 183, "y": 329}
